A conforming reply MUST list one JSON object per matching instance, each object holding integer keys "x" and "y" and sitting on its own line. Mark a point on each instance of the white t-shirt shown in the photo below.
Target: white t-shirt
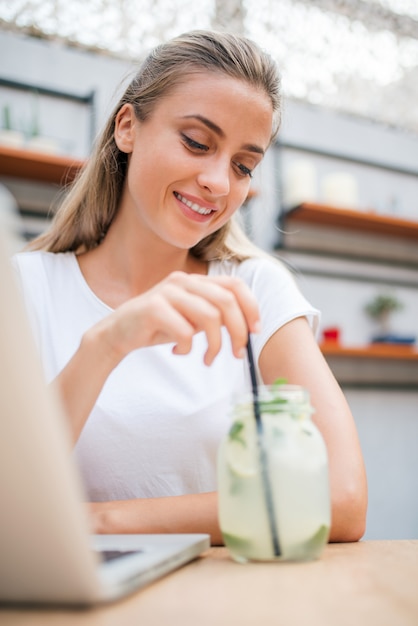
{"x": 158, "y": 421}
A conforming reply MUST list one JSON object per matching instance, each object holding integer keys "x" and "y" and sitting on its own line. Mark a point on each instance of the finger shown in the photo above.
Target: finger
{"x": 169, "y": 313}
{"x": 150, "y": 319}
{"x": 231, "y": 315}
{"x": 201, "y": 314}
{"x": 246, "y": 299}
{"x": 175, "y": 329}
{"x": 234, "y": 300}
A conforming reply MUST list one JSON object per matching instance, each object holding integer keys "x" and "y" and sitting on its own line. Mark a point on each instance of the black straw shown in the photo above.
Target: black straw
{"x": 263, "y": 454}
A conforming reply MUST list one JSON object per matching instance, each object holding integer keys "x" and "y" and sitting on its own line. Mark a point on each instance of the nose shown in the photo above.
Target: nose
{"x": 215, "y": 176}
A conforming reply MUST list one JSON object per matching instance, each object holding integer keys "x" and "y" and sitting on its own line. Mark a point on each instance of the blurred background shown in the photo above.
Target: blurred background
{"x": 336, "y": 197}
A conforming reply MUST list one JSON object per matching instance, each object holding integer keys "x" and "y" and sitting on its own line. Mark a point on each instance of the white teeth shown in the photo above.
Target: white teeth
{"x": 193, "y": 205}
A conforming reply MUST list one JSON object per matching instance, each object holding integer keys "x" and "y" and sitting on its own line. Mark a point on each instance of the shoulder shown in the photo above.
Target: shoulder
{"x": 276, "y": 290}
{"x": 40, "y": 272}
{"x": 39, "y": 263}
{"x": 255, "y": 270}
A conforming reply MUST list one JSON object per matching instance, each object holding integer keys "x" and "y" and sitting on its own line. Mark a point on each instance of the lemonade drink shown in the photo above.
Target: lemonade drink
{"x": 297, "y": 471}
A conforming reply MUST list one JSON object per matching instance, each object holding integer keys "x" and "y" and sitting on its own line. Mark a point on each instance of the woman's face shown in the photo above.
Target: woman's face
{"x": 191, "y": 161}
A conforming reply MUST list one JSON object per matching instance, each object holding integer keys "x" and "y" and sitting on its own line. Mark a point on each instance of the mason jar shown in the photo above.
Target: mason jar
{"x": 273, "y": 485}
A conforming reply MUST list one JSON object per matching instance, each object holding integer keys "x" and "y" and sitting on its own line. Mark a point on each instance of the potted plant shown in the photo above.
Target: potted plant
{"x": 381, "y": 309}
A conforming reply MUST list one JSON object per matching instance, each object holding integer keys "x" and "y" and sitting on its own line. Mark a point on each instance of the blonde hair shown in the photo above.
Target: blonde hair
{"x": 91, "y": 203}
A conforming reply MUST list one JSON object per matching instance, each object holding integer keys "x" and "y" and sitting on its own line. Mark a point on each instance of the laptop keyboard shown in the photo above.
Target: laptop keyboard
{"x": 111, "y": 555}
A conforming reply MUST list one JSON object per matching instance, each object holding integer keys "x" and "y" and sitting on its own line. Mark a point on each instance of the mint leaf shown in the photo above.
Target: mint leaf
{"x": 235, "y": 433}
{"x": 279, "y": 381}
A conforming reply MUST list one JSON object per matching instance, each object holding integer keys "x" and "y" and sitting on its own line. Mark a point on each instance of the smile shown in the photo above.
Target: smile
{"x": 192, "y": 205}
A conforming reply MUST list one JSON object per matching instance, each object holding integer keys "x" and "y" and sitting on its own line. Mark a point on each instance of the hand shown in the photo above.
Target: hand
{"x": 181, "y": 306}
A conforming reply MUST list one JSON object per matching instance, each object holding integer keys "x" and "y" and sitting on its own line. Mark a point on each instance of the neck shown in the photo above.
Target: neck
{"x": 122, "y": 267}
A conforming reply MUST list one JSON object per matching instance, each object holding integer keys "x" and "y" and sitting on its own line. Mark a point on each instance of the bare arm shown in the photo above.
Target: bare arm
{"x": 194, "y": 513}
{"x": 293, "y": 353}
{"x": 81, "y": 381}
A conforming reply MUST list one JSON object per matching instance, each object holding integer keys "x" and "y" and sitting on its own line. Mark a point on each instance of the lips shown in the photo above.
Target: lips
{"x": 194, "y": 206}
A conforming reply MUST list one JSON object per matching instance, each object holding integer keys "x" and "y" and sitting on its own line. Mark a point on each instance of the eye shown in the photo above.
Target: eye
{"x": 194, "y": 145}
{"x": 243, "y": 170}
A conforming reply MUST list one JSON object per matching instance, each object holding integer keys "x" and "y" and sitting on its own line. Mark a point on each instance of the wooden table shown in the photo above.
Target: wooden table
{"x": 371, "y": 583}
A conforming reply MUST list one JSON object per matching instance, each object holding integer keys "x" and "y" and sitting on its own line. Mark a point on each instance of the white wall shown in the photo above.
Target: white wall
{"x": 387, "y": 422}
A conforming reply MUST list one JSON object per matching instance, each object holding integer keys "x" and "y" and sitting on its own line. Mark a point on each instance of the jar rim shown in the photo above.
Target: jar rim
{"x": 284, "y": 389}
{"x": 281, "y": 396}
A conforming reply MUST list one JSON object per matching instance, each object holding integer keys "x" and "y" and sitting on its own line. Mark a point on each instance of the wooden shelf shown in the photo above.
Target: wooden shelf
{"x": 376, "y": 366}
{"x": 374, "y": 223}
{"x": 373, "y": 351}
{"x": 39, "y": 166}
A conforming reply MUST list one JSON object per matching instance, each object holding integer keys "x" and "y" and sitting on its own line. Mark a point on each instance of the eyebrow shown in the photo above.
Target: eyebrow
{"x": 216, "y": 129}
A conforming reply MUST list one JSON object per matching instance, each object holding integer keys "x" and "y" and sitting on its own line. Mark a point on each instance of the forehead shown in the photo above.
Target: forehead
{"x": 221, "y": 98}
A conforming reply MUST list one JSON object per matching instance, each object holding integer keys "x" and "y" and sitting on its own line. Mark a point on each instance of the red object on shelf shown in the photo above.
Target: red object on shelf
{"x": 332, "y": 333}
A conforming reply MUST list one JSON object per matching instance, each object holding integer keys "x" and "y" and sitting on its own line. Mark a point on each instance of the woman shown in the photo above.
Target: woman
{"x": 144, "y": 289}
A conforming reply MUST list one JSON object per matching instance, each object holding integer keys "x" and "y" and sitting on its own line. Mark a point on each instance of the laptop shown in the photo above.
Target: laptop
{"x": 47, "y": 554}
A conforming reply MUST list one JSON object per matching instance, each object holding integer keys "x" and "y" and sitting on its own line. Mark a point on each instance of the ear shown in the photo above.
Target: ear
{"x": 125, "y": 125}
